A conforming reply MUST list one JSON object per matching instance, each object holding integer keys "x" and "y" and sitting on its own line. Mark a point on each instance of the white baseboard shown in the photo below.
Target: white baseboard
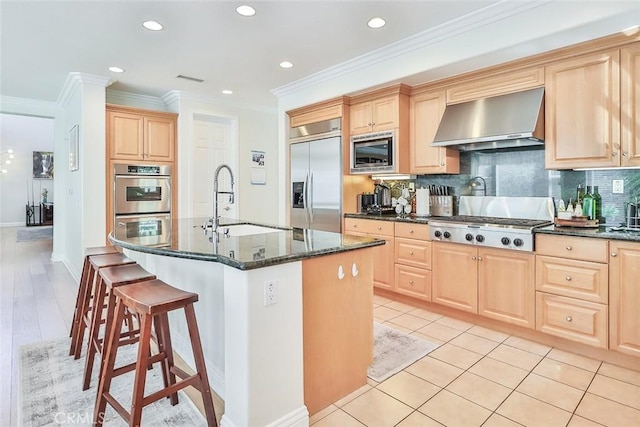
{"x": 12, "y": 224}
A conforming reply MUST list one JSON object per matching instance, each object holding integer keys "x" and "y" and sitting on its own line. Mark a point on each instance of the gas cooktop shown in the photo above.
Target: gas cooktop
{"x": 492, "y": 221}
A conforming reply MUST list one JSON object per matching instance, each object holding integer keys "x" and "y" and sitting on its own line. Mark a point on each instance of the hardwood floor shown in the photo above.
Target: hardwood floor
{"x": 36, "y": 302}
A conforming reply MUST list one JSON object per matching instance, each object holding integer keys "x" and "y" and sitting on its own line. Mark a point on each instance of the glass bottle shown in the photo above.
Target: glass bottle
{"x": 587, "y": 204}
{"x": 579, "y": 194}
{"x": 597, "y": 201}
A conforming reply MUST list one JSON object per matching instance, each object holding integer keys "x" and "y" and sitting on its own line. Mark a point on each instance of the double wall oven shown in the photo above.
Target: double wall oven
{"x": 142, "y": 203}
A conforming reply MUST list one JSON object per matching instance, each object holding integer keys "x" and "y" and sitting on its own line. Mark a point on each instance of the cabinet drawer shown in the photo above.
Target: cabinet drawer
{"x": 582, "y": 248}
{"x": 413, "y": 252}
{"x": 384, "y": 228}
{"x": 577, "y": 320}
{"x": 412, "y": 231}
{"x": 578, "y": 279}
{"x": 415, "y": 282}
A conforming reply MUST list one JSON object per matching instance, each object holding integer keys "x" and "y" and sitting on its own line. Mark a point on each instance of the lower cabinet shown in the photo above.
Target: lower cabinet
{"x": 624, "y": 288}
{"x": 494, "y": 283}
{"x": 383, "y": 272}
{"x": 413, "y": 260}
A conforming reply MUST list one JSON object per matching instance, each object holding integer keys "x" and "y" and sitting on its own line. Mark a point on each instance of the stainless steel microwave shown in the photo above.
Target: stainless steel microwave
{"x": 373, "y": 153}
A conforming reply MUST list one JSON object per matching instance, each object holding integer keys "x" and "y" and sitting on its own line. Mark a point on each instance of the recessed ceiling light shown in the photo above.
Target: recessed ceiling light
{"x": 376, "y": 22}
{"x": 227, "y": 92}
{"x": 245, "y": 10}
{"x": 116, "y": 69}
{"x": 152, "y": 25}
{"x": 286, "y": 64}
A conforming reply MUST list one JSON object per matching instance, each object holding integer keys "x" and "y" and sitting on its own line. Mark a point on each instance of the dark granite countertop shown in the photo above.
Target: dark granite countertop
{"x": 602, "y": 232}
{"x": 188, "y": 240}
{"x": 390, "y": 217}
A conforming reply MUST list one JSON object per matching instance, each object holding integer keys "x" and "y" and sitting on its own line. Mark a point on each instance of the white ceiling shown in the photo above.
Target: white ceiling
{"x": 42, "y": 41}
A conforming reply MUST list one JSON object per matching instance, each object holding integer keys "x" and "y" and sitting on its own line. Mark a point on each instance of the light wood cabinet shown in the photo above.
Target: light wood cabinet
{"x": 571, "y": 318}
{"x": 572, "y": 288}
{"x": 413, "y": 260}
{"x": 383, "y": 256}
{"x": 140, "y": 135}
{"x": 498, "y": 84}
{"x": 630, "y": 105}
{"x": 454, "y": 278}
{"x": 326, "y": 110}
{"x": 506, "y": 286}
{"x": 582, "y": 111}
{"x": 375, "y": 115}
{"x": 425, "y": 112}
{"x": 337, "y": 326}
{"x": 624, "y": 287}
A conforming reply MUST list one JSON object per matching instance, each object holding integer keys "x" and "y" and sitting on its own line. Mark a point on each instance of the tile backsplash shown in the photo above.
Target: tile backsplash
{"x": 521, "y": 173}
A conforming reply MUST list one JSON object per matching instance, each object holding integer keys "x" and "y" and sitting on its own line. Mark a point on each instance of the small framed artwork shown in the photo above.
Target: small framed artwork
{"x": 43, "y": 165}
{"x": 73, "y": 149}
{"x": 258, "y": 171}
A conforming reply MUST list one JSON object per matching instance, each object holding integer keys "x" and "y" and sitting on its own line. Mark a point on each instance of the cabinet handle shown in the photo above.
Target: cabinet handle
{"x": 442, "y": 164}
{"x": 410, "y": 252}
{"x": 625, "y": 154}
{"x": 568, "y": 248}
{"x": 614, "y": 154}
{"x": 614, "y": 254}
{"x": 411, "y": 282}
{"x": 473, "y": 258}
{"x": 569, "y": 318}
{"x": 355, "y": 225}
{"x": 568, "y": 278}
{"x": 479, "y": 258}
{"x": 410, "y": 231}
{"x": 379, "y": 228}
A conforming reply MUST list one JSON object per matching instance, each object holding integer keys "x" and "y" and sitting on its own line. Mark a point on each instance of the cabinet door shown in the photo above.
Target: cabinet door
{"x": 454, "y": 278}
{"x": 624, "y": 294}
{"x": 361, "y": 118}
{"x": 415, "y": 282}
{"x": 383, "y": 265}
{"x": 630, "y": 104}
{"x": 425, "y": 113}
{"x": 582, "y": 112}
{"x": 125, "y": 135}
{"x": 506, "y": 287}
{"x": 159, "y": 138}
{"x": 384, "y": 113}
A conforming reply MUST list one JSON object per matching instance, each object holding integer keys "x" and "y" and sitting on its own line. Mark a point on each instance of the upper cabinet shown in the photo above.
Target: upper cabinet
{"x": 494, "y": 85}
{"x": 143, "y": 135}
{"x": 582, "y": 117}
{"x": 381, "y": 110}
{"x": 630, "y": 105}
{"x": 425, "y": 111}
{"x": 327, "y": 110}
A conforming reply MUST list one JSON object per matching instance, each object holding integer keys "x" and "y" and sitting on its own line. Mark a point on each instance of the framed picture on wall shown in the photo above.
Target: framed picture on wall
{"x": 73, "y": 149}
{"x": 43, "y": 165}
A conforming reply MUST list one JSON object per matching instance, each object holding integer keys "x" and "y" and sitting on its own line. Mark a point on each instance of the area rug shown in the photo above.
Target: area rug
{"x": 50, "y": 391}
{"x": 29, "y": 234}
{"x": 394, "y": 350}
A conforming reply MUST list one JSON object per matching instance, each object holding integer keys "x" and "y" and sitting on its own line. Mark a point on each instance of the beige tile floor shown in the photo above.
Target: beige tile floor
{"x": 481, "y": 377}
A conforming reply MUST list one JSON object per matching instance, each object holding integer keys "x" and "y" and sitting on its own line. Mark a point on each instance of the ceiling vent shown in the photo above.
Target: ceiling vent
{"x": 193, "y": 79}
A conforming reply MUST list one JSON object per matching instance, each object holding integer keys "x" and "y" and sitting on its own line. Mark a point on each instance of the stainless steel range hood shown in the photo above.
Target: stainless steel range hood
{"x": 505, "y": 121}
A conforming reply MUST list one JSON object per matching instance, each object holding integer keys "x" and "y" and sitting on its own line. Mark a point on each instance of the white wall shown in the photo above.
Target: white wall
{"x": 24, "y": 135}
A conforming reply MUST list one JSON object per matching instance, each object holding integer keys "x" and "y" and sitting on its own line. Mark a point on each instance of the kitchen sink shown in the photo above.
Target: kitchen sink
{"x": 238, "y": 230}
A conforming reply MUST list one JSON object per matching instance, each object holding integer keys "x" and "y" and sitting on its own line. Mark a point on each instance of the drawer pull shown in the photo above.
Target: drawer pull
{"x": 473, "y": 258}
{"x": 410, "y": 252}
{"x": 355, "y": 225}
{"x": 568, "y": 278}
{"x": 379, "y": 228}
{"x": 569, "y": 318}
{"x": 568, "y": 248}
{"x": 410, "y": 231}
{"x": 614, "y": 254}
{"x": 411, "y": 282}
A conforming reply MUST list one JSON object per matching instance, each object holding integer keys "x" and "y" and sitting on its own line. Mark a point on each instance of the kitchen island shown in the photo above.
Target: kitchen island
{"x": 285, "y": 315}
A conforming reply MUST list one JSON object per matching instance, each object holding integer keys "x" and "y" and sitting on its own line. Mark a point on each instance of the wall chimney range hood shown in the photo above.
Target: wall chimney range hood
{"x": 504, "y": 121}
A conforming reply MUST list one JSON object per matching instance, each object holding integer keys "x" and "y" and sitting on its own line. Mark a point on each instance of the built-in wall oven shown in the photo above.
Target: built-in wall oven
{"x": 142, "y": 202}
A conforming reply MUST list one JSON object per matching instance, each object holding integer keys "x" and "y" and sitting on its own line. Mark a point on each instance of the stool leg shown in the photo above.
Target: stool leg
{"x": 111, "y": 348}
{"x": 83, "y": 279}
{"x": 141, "y": 370}
{"x": 85, "y": 307}
{"x": 164, "y": 345}
{"x": 198, "y": 356}
{"x": 94, "y": 345}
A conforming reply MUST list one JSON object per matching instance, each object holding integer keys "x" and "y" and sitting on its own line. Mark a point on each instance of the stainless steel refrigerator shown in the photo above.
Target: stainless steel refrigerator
{"x": 316, "y": 176}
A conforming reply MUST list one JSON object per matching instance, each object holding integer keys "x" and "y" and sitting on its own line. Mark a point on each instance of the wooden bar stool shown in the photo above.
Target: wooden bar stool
{"x": 108, "y": 279}
{"x": 88, "y": 302}
{"x": 89, "y": 252}
{"x": 152, "y": 300}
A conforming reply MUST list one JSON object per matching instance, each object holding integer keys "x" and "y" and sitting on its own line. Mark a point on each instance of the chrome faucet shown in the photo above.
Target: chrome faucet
{"x": 215, "y": 220}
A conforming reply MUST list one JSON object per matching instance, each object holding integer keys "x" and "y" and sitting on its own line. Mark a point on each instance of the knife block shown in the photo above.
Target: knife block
{"x": 441, "y": 205}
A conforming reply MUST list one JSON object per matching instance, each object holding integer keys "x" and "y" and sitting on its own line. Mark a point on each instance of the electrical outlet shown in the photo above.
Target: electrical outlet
{"x": 618, "y": 186}
{"x": 270, "y": 292}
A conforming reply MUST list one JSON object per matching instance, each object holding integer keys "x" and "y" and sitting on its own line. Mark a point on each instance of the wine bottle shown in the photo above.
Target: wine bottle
{"x": 597, "y": 201}
{"x": 587, "y": 204}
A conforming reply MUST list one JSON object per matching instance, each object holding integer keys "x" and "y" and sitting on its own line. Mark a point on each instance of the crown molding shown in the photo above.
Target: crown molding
{"x": 181, "y": 96}
{"x": 134, "y": 99}
{"x": 75, "y": 80}
{"x": 481, "y": 18}
{"x": 11, "y": 104}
